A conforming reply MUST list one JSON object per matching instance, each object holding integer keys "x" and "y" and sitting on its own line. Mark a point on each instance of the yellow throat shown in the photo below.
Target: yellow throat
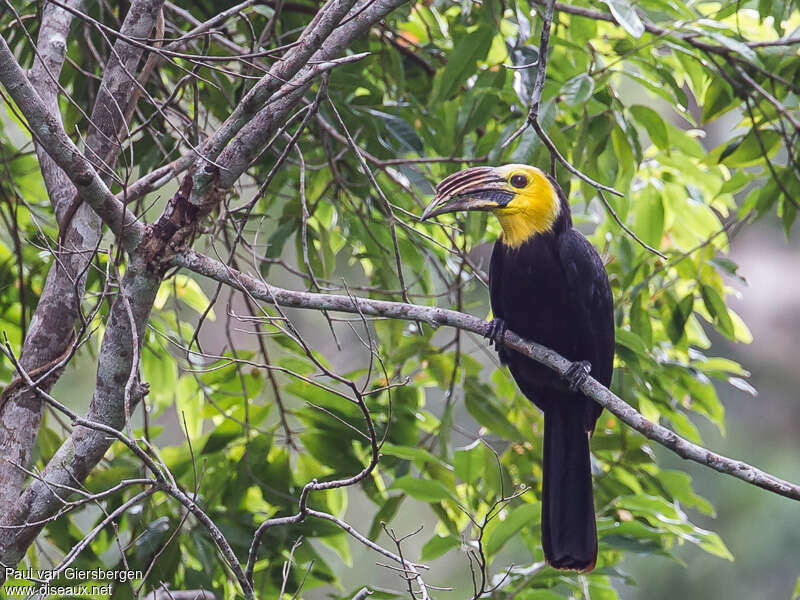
{"x": 533, "y": 210}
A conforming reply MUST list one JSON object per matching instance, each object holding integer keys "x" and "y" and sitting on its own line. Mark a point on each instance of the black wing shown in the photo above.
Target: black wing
{"x": 591, "y": 302}
{"x": 496, "y": 291}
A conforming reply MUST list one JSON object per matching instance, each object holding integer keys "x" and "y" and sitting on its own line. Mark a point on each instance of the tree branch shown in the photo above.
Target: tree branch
{"x": 436, "y": 317}
{"x": 59, "y": 305}
{"x": 50, "y": 328}
{"x": 48, "y": 131}
{"x": 118, "y": 90}
{"x": 253, "y": 135}
{"x": 313, "y": 36}
{"x": 81, "y": 452}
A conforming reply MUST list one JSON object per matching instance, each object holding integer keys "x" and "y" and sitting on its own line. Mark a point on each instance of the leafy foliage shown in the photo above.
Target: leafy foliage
{"x": 626, "y": 106}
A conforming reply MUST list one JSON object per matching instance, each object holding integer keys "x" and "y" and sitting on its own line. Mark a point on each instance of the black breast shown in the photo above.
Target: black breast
{"x": 553, "y": 290}
{"x": 535, "y": 295}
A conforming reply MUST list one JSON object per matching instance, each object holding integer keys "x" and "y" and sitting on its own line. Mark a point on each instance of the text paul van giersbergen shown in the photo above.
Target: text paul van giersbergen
{"x": 74, "y": 574}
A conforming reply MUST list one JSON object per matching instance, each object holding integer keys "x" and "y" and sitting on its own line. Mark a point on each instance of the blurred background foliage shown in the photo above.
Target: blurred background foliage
{"x": 655, "y": 106}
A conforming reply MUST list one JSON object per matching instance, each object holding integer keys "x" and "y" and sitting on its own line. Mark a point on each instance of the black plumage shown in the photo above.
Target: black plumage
{"x": 553, "y": 289}
{"x": 548, "y": 285}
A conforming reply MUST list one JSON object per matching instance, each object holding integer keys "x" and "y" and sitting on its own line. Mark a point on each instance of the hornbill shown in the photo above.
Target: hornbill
{"x": 548, "y": 284}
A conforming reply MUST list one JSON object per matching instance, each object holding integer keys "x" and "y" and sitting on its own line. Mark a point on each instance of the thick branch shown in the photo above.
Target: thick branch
{"x": 313, "y": 36}
{"x": 79, "y": 454}
{"x": 51, "y": 48}
{"x": 118, "y": 89}
{"x": 59, "y": 305}
{"x": 48, "y": 131}
{"x": 440, "y": 316}
{"x": 51, "y": 328}
{"x": 311, "y": 39}
{"x": 250, "y": 141}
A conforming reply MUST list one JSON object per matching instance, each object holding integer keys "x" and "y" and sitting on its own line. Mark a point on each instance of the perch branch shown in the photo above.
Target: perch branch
{"x": 436, "y": 317}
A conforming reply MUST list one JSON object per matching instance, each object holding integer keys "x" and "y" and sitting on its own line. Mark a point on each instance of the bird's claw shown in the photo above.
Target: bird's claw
{"x": 577, "y": 374}
{"x": 497, "y": 330}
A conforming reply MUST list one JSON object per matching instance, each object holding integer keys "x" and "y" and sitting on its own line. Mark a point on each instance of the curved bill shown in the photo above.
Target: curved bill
{"x": 477, "y": 188}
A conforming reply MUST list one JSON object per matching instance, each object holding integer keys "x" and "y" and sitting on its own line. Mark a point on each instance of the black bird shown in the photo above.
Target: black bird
{"x": 547, "y": 284}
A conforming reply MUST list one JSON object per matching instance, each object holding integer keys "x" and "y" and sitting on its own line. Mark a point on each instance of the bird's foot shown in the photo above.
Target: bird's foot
{"x": 497, "y": 329}
{"x": 577, "y": 374}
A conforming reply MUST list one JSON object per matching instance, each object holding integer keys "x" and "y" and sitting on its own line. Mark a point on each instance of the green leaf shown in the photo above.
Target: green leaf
{"x": 517, "y": 518}
{"x": 678, "y": 314}
{"x": 223, "y": 435}
{"x": 738, "y": 180}
{"x": 796, "y": 593}
{"x": 482, "y": 404}
{"x": 438, "y": 545}
{"x": 735, "y": 45}
{"x": 276, "y": 243}
{"x": 713, "y": 544}
{"x": 679, "y": 484}
{"x": 385, "y": 514}
{"x": 339, "y": 544}
{"x": 266, "y": 11}
{"x": 419, "y": 455}
{"x": 640, "y": 322}
{"x": 425, "y": 490}
{"x": 189, "y": 402}
{"x": 401, "y": 131}
{"x": 719, "y": 99}
{"x": 461, "y": 62}
{"x": 625, "y": 14}
{"x": 539, "y": 594}
{"x": 190, "y": 292}
{"x": 787, "y": 211}
{"x": 747, "y": 150}
{"x": 715, "y": 306}
{"x": 654, "y": 125}
{"x": 648, "y": 216}
{"x": 630, "y": 340}
{"x": 470, "y": 462}
{"x": 150, "y": 540}
{"x": 601, "y": 589}
{"x": 578, "y": 89}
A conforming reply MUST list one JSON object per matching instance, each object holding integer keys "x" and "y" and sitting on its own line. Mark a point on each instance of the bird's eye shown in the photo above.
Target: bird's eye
{"x": 519, "y": 181}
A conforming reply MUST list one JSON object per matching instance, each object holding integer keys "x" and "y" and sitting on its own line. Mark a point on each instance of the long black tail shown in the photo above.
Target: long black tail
{"x": 569, "y": 532}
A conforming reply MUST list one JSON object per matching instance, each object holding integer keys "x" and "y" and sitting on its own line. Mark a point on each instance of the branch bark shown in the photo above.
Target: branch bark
{"x": 59, "y": 305}
{"x": 118, "y": 89}
{"x": 79, "y": 454}
{"x": 47, "y": 130}
{"x": 436, "y": 317}
{"x": 86, "y": 447}
{"x": 313, "y": 36}
{"x": 49, "y": 331}
{"x": 253, "y": 136}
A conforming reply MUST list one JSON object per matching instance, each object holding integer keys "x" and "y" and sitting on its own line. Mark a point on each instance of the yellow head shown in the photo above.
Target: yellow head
{"x": 523, "y": 198}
